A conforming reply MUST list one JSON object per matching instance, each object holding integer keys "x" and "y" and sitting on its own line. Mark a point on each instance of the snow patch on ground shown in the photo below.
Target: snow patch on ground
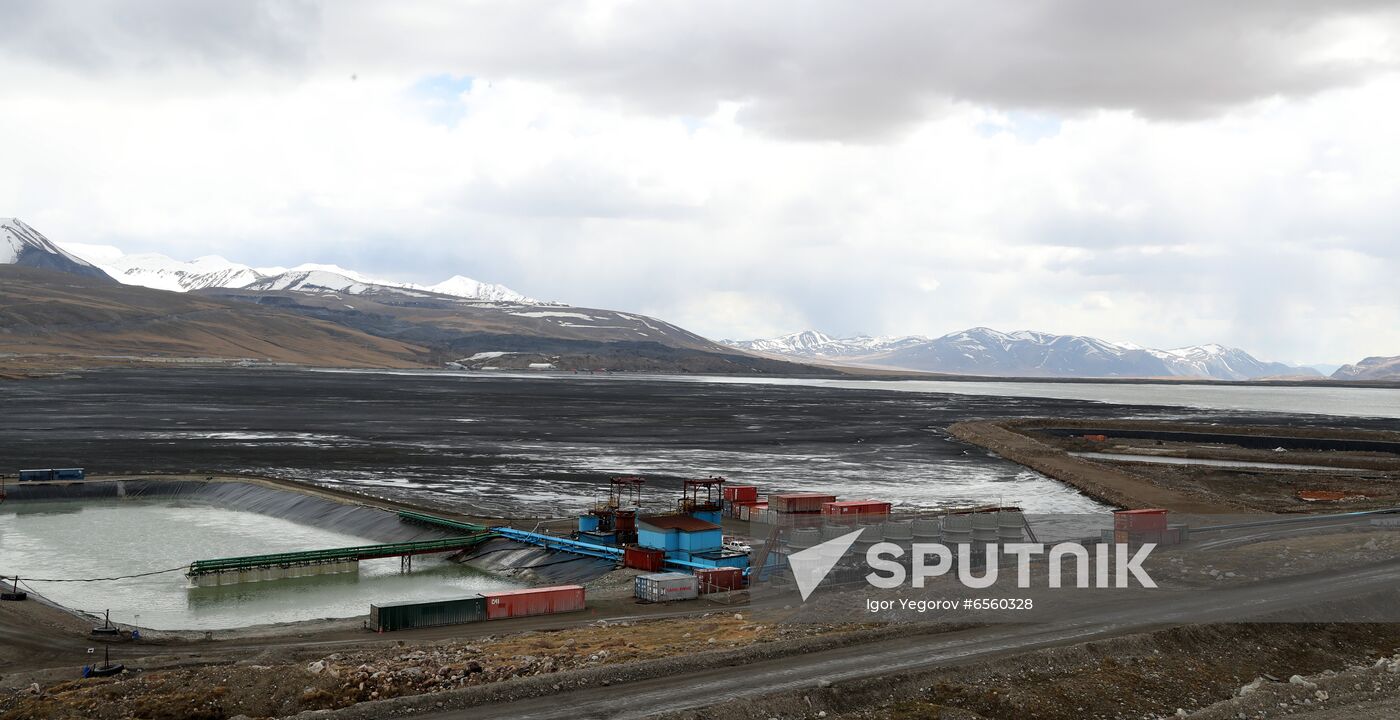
{"x": 553, "y": 314}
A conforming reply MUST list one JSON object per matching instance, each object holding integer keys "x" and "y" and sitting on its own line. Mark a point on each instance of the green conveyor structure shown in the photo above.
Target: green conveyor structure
{"x": 476, "y": 535}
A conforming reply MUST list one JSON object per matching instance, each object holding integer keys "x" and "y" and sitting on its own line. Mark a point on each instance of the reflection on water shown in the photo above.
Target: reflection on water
{"x": 1342, "y": 401}
{"x": 90, "y": 539}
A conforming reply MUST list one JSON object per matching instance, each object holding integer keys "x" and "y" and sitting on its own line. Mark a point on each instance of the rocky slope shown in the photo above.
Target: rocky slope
{"x": 1372, "y": 368}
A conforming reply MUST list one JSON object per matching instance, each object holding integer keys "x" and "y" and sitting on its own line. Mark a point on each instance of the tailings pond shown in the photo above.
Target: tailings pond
{"x": 42, "y": 540}
{"x": 531, "y": 446}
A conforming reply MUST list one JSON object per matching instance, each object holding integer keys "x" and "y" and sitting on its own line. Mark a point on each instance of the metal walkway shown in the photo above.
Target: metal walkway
{"x": 433, "y": 521}
{"x": 337, "y": 555}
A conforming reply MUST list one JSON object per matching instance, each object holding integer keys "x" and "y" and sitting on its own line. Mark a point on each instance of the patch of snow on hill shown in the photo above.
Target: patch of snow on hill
{"x": 552, "y": 314}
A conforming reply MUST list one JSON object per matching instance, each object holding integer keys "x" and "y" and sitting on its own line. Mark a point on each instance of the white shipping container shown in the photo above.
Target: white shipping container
{"x": 666, "y": 587}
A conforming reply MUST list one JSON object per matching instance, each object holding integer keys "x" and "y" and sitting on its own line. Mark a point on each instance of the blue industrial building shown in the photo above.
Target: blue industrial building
{"x": 679, "y": 535}
{"x": 688, "y": 538}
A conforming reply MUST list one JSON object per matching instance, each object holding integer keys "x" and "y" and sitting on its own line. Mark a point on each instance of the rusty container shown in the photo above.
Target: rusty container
{"x": 719, "y": 579}
{"x": 644, "y": 558}
{"x": 799, "y": 502}
{"x": 534, "y": 601}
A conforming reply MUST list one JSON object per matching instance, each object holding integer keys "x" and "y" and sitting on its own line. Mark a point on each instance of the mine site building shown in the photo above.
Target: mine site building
{"x": 679, "y": 535}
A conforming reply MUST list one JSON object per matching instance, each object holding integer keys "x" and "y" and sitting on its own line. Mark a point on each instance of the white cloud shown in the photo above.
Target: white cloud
{"x": 663, "y": 164}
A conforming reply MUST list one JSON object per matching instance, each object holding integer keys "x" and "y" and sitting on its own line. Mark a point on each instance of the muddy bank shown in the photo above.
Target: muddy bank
{"x": 1323, "y": 472}
{"x": 1115, "y": 486}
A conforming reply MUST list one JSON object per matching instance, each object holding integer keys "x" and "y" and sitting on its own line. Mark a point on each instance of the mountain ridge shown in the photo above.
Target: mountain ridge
{"x": 1023, "y": 353}
{"x": 23, "y": 246}
{"x": 161, "y": 272}
{"x": 1376, "y": 367}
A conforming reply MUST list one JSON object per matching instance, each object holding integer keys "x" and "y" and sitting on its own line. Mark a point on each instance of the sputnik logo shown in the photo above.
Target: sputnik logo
{"x": 811, "y": 566}
{"x": 1113, "y": 565}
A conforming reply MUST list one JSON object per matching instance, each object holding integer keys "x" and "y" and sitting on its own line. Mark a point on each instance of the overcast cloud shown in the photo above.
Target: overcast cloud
{"x": 1166, "y": 173}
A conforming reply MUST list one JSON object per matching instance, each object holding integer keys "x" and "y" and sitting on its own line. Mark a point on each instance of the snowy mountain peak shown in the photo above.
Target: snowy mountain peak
{"x": 158, "y": 271}
{"x": 1030, "y": 353}
{"x": 18, "y": 238}
{"x": 22, "y": 245}
{"x": 465, "y": 287}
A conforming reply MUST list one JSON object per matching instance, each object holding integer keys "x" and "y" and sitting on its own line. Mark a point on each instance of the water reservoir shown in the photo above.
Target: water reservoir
{"x": 108, "y": 537}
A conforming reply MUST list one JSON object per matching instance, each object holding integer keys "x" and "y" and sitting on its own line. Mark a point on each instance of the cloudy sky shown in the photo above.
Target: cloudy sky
{"x": 1166, "y": 173}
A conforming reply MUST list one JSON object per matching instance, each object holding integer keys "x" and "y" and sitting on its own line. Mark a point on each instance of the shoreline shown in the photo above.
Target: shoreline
{"x": 1133, "y": 481}
{"x": 1108, "y": 485}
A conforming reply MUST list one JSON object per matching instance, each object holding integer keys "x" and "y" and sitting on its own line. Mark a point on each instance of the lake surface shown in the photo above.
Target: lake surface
{"x": 110, "y": 538}
{"x": 1341, "y": 401}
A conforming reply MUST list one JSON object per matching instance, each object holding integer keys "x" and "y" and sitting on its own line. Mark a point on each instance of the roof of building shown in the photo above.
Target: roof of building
{"x": 684, "y": 523}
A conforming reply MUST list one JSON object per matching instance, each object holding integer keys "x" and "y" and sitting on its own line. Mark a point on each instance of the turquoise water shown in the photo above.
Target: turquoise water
{"x": 107, "y": 538}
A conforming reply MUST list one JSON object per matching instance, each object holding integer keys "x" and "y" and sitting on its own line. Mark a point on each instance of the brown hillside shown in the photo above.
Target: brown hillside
{"x": 43, "y": 312}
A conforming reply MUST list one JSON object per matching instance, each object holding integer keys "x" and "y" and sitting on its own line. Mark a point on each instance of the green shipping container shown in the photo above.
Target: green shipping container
{"x": 387, "y": 617}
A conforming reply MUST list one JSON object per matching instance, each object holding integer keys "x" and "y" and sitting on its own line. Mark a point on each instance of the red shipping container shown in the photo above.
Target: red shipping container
{"x": 720, "y": 579}
{"x": 1140, "y": 521}
{"x": 644, "y": 558}
{"x": 741, "y": 493}
{"x": 736, "y": 508}
{"x": 534, "y": 601}
{"x": 856, "y": 507}
{"x": 799, "y": 502}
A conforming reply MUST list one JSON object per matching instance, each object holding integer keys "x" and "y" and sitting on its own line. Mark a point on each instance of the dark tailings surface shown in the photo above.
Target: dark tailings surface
{"x": 534, "y": 446}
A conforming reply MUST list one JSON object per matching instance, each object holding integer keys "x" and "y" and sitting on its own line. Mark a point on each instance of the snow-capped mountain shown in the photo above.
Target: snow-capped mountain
{"x": 465, "y": 287}
{"x": 1372, "y": 368}
{"x": 157, "y": 271}
{"x": 1026, "y": 353}
{"x": 814, "y": 344}
{"x": 24, "y": 246}
{"x": 154, "y": 270}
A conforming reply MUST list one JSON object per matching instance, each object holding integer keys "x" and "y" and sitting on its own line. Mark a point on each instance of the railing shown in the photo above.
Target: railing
{"x": 313, "y": 557}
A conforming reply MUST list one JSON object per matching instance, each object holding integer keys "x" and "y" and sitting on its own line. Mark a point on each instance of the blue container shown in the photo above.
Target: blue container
{"x": 588, "y": 523}
{"x": 69, "y": 474}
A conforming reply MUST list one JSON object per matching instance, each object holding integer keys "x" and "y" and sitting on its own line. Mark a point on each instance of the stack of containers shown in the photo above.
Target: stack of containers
{"x": 754, "y": 512}
{"x": 737, "y": 496}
